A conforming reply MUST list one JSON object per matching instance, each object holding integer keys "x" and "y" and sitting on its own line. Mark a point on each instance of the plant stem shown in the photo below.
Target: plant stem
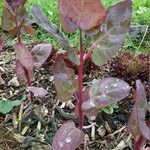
{"x": 80, "y": 79}
{"x": 29, "y": 83}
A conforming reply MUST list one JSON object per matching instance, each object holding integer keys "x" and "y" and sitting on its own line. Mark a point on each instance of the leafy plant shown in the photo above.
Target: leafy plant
{"x": 27, "y": 61}
{"x": 14, "y": 18}
{"x": 107, "y": 29}
{"x": 135, "y": 67}
{"x": 15, "y": 21}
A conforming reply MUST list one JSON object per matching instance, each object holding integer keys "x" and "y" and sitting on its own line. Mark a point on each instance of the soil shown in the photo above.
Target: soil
{"x": 40, "y": 120}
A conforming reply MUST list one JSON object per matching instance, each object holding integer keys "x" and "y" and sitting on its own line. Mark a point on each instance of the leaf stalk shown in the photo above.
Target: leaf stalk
{"x": 80, "y": 80}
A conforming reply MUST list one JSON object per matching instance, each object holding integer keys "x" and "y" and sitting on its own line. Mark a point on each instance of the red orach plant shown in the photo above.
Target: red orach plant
{"x": 15, "y": 21}
{"x": 26, "y": 61}
{"x": 108, "y": 28}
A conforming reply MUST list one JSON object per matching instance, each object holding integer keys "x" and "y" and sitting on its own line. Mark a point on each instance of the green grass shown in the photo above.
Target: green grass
{"x": 141, "y": 12}
{"x": 141, "y": 15}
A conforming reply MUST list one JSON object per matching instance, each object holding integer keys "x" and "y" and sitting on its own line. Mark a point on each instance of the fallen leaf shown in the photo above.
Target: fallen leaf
{"x": 37, "y": 91}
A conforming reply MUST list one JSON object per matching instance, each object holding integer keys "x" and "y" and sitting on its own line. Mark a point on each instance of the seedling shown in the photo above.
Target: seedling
{"x": 110, "y": 109}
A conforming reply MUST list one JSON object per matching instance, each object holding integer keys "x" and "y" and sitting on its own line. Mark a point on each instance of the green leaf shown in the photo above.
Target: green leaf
{"x": 108, "y": 110}
{"x": 6, "y": 105}
{"x": 115, "y": 106}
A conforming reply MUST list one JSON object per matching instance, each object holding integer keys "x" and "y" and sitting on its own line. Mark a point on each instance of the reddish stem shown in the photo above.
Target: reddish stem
{"x": 29, "y": 83}
{"x": 140, "y": 143}
{"x": 80, "y": 79}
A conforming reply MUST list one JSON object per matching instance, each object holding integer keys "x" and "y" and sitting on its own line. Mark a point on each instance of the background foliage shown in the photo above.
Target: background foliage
{"x": 141, "y": 15}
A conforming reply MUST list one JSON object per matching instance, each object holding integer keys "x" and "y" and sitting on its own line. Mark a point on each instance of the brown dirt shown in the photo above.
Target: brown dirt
{"x": 110, "y": 129}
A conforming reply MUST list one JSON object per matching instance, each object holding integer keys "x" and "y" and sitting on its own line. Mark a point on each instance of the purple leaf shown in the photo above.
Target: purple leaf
{"x": 14, "y": 4}
{"x": 68, "y": 137}
{"x": 115, "y": 31}
{"x": 40, "y": 54}
{"x": 9, "y": 21}
{"x": 22, "y": 73}
{"x": 1, "y": 45}
{"x": 133, "y": 126}
{"x": 83, "y": 14}
{"x": 141, "y": 103}
{"x": 137, "y": 123}
{"x": 24, "y": 55}
{"x": 104, "y": 93}
{"x": 65, "y": 81}
{"x": 112, "y": 87}
{"x": 24, "y": 63}
{"x": 37, "y": 91}
{"x": 43, "y": 21}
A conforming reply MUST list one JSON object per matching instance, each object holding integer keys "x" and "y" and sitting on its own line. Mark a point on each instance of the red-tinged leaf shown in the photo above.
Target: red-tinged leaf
{"x": 68, "y": 137}
{"x": 141, "y": 104}
{"x": 118, "y": 20}
{"x": 20, "y": 71}
{"x": 25, "y": 63}
{"x": 9, "y": 22}
{"x": 1, "y": 44}
{"x": 137, "y": 125}
{"x": 105, "y": 92}
{"x": 8, "y": 19}
{"x": 24, "y": 55}
{"x": 14, "y": 4}
{"x": 40, "y": 53}
{"x": 65, "y": 81}
{"x": 37, "y": 91}
{"x": 83, "y": 14}
{"x": 22, "y": 74}
{"x": 43, "y": 21}
{"x": 133, "y": 126}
